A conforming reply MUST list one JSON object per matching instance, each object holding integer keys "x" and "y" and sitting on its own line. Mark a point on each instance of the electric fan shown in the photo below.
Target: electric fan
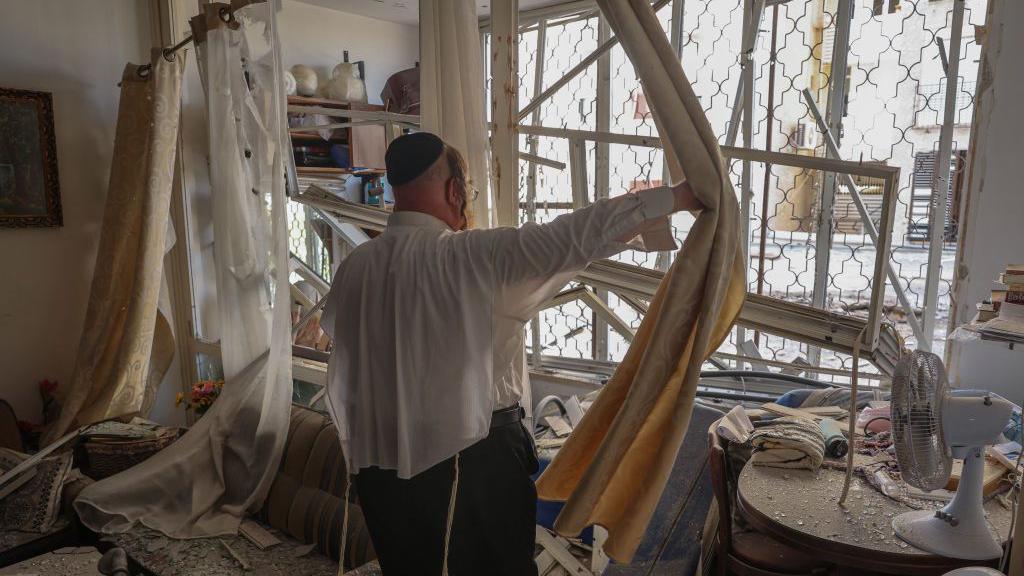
{"x": 931, "y": 425}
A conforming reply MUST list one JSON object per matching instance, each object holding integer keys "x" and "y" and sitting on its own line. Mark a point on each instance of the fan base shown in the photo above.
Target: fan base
{"x": 969, "y": 542}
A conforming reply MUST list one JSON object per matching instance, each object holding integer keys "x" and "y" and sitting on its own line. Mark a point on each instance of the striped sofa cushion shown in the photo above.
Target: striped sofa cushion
{"x": 305, "y": 500}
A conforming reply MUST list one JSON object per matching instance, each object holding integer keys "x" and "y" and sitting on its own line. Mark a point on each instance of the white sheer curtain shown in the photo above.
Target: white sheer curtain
{"x": 451, "y": 94}
{"x": 452, "y": 106}
{"x": 223, "y": 467}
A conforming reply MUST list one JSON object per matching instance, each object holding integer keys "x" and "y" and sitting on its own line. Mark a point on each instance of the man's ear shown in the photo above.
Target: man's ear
{"x": 451, "y": 194}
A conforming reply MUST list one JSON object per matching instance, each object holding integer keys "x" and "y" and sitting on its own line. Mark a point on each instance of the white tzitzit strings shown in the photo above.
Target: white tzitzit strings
{"x": 344, "y": 530}
{"x": 447, "y": 532}
{"x": 451, "y": 515}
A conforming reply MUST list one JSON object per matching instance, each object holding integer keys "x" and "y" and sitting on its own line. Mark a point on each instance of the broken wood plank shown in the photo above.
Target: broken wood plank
{"x": 545, "y": 562}
{"x": 598, "y": 559}
{"x": 830, "y": 411}
{"x": 566, "y": 296}
{"x": 811, "y": 413}
{"x": 558, "y": 425}
{"x": 574, "y": 411}
{"x": 554, "y": 545}
{"x": 778, "y": 410}
{"x": 32, "y": 461}
{"x": 258, "y": 535}
{"x": 608, "y": 315}
{"x": 238, "y": 557}
{"x": 759, "y": 413}
{"x": 546, "y": 443}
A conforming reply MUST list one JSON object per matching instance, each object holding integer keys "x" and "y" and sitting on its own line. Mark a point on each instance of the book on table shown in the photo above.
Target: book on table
{"x": 986, "y": 311}
{"x": 1015, "y": 270}
{"x": 1002, "y": 316}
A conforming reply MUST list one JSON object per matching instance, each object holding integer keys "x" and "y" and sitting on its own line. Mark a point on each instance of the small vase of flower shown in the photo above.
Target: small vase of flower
{"x": 201, "y": 396}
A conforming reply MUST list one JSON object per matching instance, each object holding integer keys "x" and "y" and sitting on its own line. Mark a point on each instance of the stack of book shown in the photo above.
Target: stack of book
{"x": 1002, "y": 316}
{"x": 1013, "y": 278}
{"x": 989, "y": 309}
{"x": 1011, "y": 283}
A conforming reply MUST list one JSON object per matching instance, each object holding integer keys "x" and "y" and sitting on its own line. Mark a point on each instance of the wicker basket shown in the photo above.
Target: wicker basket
{"x": 108, "y": 457}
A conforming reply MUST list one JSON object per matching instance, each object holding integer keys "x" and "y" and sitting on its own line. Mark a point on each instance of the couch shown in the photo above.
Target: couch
{"x": 304, "y": 509}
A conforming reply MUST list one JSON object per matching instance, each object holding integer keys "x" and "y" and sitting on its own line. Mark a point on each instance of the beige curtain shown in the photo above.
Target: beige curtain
{"x": 451, "y": 97}
{"x": 127, "y": 344}
{"x": 613, "y": 468}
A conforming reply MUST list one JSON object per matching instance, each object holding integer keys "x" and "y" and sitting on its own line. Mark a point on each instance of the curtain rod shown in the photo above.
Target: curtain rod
{"x": 168, "y": 53}
{"x": 226, "y": 14}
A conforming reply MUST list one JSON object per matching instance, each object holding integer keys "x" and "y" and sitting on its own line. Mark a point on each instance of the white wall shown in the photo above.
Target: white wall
{"x": 76, "y": 50}
{"x": 994, "y": 211}
{"x": 317, "y": 37}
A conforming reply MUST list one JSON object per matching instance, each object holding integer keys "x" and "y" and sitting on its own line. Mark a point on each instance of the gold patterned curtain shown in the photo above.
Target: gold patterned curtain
{"x": 615, "y": 465}
{"x": 127, "y": 344}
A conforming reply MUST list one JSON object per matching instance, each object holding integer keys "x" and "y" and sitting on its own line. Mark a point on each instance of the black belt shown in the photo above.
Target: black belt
{"x": 505, "y": 416}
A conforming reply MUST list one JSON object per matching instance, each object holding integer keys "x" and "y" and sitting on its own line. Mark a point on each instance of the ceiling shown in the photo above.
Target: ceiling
{"x": 407, "y": 11}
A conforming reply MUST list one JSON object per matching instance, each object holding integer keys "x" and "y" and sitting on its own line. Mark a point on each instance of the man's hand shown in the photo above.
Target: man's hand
{"x": 685, "y": 198}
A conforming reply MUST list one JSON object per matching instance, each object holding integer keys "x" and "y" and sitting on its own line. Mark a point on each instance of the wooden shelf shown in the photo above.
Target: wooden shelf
{"x": 310, "y": 101}
{"x": 367, "y": 144}
{"x": 320, "y": 170}
{"x": 342, "y": 104}
{"x": 311, "y": 136}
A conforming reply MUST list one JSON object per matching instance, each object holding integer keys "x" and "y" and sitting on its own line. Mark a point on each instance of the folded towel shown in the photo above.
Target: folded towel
{"x": 789, "y": 442}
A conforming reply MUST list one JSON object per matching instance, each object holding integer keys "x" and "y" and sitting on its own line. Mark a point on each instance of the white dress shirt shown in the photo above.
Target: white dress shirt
{"x": 427, "y": 324}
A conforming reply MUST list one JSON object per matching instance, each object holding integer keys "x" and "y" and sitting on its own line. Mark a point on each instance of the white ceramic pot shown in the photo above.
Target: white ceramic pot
{"x": 345, "y": 84}
{"x": 305, "y": 80}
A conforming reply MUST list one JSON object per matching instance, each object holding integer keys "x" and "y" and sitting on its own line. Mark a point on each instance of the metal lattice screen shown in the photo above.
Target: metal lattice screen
{"x": 893, "y": 104}
{"x": 309, "y": 235}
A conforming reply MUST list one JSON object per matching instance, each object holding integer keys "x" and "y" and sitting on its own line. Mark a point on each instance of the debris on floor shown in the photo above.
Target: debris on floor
{"x": 64, "y": 562}
{"x": 226, "y": 555}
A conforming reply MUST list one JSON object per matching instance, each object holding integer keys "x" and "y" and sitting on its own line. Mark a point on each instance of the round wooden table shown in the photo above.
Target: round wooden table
{"x": 801, "y": 508}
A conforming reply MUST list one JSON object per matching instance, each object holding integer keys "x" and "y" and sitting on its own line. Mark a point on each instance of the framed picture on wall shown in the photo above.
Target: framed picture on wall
{"x": 29, "y": 188}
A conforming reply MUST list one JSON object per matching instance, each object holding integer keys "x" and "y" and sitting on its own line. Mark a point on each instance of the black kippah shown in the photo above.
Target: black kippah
{"x": 410, "y": 155}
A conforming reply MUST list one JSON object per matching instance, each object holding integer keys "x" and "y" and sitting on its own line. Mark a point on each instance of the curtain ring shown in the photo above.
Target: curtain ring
{"x": 169, "y": 54}
{"x": 227, "y": 15}
{"x": 144, "y": 70}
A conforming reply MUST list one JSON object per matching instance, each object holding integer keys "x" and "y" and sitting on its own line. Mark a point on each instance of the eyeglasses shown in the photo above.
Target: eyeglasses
{"x": 472, "y": 193}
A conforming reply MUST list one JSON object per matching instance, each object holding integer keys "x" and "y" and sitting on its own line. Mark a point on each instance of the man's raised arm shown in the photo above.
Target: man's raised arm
{"x": 573, "y": 240}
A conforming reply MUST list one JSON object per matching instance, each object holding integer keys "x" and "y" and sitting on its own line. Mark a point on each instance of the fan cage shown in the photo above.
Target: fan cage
{"x": 919, "y": 390}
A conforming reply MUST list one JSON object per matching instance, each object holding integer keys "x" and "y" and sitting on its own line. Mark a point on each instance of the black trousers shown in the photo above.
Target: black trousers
{"x": 493, "y": 529}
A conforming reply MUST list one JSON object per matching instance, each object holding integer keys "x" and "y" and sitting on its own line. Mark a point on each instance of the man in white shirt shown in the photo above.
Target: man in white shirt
{"x": 427, "y": 321}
